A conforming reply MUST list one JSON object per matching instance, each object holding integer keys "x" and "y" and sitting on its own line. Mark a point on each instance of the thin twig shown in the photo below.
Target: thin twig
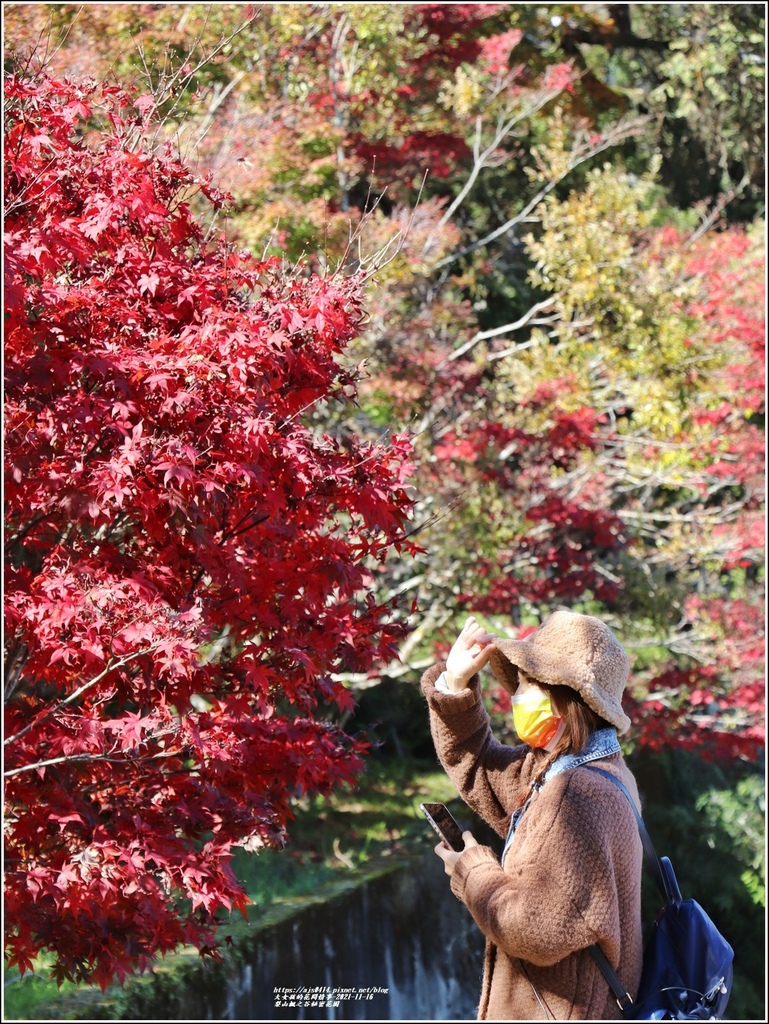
{"x": 723, "y": 201}
{"x": 67, "y": 758}
{"x": 77, "y": 693}
{"x": 481, "y": 159}
{"x": 621, "y": 133}
{"x": 496, "y": 331}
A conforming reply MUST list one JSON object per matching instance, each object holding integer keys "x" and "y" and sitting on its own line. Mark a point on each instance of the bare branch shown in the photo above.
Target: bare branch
{"x": 14, "y": 666}
{"x": 481, "y": 158}
{"x": 371, "y": 265}
{"x": 112, "y": 667}
{"x": 218, "y": 99}
{"x": 494, "y": 332}
{"x": 620, "y": 132}
{"x": 69, "y": 758}
{"x": 530, "y": 343}
{"x": 723, "y": 201}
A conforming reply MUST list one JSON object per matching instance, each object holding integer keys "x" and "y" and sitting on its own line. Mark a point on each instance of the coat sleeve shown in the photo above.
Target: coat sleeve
{"x": 486, "y": 773}
{"x": 558, "y": 893}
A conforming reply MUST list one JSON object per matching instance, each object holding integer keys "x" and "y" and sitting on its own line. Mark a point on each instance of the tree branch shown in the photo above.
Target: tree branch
{"x": 76, "y": 694}
{"x": 496, "y": 331}
{"x": 720, "y": 205}
{"x": 481, "y": 159}
{"x": 620, "y": 133}
{"x": 68, "y": 758}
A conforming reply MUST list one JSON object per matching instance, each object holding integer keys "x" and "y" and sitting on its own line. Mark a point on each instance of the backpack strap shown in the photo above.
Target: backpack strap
{"x": 661, "y": 878}
{"x": 665, "y": 880}
{"x": 623, "y": 997}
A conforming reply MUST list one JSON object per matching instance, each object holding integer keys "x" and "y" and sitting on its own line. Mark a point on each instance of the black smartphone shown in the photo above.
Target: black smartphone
{"x": 444, "y": 824}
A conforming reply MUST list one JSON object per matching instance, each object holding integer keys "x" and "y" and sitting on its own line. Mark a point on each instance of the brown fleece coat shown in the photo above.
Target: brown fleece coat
{"x": 572, "y": 876}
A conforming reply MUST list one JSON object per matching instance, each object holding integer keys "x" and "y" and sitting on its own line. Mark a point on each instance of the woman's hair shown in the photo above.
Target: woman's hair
{"x": 580, "y": 719}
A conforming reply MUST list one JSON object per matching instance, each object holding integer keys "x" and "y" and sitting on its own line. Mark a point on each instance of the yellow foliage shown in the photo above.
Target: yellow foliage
{"x": 623, "y": 332}
{"x": 463, "y": 95}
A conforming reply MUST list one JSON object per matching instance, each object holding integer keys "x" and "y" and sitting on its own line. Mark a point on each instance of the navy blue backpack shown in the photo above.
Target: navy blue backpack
{"x": 687, "y": 964}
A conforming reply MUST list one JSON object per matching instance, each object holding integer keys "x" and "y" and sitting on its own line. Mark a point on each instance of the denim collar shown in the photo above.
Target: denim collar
{"x": 601, "y": 743}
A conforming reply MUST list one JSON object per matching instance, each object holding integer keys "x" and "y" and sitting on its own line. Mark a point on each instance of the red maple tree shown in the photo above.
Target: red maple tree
{"x": 189, "y": 555}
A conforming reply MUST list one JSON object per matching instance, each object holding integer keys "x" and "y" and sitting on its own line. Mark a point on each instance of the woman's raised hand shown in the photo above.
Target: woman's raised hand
{"x": 469, "y": 654}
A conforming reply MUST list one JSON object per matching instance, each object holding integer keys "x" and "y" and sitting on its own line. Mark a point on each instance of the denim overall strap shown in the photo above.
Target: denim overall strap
{"x": 602, "y": 743}
{"x": 517, "y": 815}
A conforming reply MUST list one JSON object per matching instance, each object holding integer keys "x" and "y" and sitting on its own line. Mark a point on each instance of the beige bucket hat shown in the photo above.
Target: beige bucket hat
{"x": 573, "y": 650}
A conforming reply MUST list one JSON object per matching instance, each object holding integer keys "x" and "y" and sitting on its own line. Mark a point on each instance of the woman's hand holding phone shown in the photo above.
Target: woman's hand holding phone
{"x": 450, "y": 857}
{"x": 454, "y": 841}
{"x": 469, "y": 654}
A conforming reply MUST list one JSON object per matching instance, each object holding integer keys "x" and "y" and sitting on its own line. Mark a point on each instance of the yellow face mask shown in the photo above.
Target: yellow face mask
{"x": 533, "y": 717}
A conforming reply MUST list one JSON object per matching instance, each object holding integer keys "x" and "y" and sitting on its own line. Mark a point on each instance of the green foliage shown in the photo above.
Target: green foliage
{"x": 740, "y": 813}
{"x": 24, "y": 996}
{"x": 713, "y": 78}
{"x": 699, "y": 69}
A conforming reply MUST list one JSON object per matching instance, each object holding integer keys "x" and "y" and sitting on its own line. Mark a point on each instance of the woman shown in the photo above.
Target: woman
{"x": 570, "y": 872}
